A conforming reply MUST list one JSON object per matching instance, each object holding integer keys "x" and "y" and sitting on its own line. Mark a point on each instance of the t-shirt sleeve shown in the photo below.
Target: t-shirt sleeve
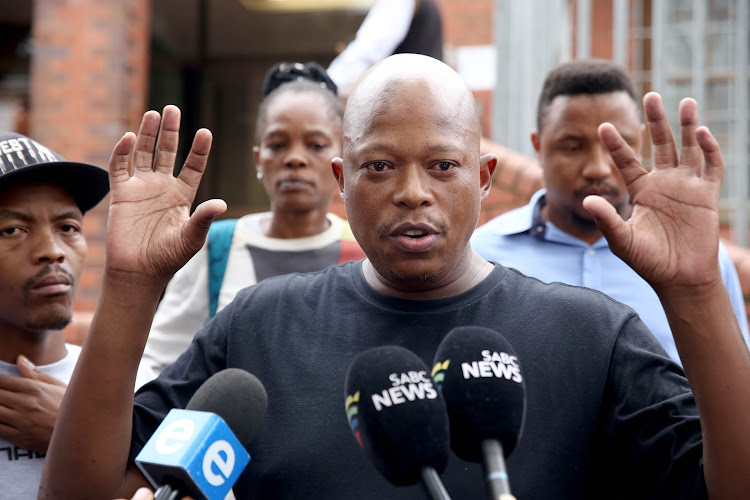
{"x": 734, "y": 287}
{"x": 652, "y": 445}
{"x": 178, "y": 382}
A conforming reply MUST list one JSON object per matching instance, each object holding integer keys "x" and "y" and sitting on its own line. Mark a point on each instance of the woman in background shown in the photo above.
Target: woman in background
{"x": 298, "y": 132}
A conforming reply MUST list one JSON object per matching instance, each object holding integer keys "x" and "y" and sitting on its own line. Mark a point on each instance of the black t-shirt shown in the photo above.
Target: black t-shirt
{"x": 609, "y": 415}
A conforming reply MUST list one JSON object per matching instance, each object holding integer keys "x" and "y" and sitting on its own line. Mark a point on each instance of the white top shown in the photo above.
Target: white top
{"x": 385, "y": 26}
{"x": 184, "y": 309}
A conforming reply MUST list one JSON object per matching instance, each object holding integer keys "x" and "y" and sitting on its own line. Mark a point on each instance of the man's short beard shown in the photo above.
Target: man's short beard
{"x": 423, "y": 278}
{"x": 57, "y": 322}
{"x": 588, "y": 225}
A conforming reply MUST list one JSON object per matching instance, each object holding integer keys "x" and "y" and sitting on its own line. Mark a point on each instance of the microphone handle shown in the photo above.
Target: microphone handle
{"x": 433, "y": 484}
{"x": 494, "y": 470}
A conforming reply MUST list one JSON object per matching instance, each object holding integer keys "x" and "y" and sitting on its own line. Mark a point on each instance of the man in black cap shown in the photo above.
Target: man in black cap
{"x": 42, "y": 254}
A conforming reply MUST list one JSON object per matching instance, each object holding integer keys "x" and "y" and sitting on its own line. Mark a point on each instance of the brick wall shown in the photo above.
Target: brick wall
{"x": 89, "y": 76}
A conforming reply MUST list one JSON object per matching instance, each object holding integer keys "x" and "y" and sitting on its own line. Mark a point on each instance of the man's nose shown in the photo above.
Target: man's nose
{"x": 599, "y": 164}
{"x": 412, "y": 188}
{"x": 47, "y": 247}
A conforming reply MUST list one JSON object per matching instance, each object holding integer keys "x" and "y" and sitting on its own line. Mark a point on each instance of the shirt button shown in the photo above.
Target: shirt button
{"x": 591, "y": 251}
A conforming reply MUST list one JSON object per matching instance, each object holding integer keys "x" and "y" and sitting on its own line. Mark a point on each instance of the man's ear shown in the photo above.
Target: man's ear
{"x": 256, "y": 159}
{"x": 536, "y": 141}
{"x": 337, "y": 166}
{"x": 487, "y": 164}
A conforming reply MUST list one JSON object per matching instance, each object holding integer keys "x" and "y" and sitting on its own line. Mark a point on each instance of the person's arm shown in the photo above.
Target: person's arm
{"x": 183, "y": 310}
{"x": 385, "y": 26}
{"x": 150, "y": 234}
{"x": 672, "y": 242}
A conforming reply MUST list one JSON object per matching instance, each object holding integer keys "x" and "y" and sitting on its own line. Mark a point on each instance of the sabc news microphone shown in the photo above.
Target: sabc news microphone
{"x": 479, "y": 375}
{"x": 398, "y": 417}
{"x": 200, "y": 451}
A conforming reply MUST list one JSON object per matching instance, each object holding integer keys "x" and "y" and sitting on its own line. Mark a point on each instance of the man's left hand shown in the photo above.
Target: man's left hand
{"x": 29, "y": 406}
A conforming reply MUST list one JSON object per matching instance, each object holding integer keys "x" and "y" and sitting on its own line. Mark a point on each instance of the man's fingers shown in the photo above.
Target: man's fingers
{"x": 169, "y": 137}
{"x": 143, "y": 494}
{"x": 30, "y": 371}
{"x": 8, "y": 432}
{"x": 714, "y": 169}
{"x": 665, "y": 151}
{"x": 196, "y": 229}
{"x": 10, "y": 417}
{"x": 195, "y": 164}
{"x": 119, "y": 162}
{"x": 11, "y": 383}
{"x": 610, "y": 223}
{"x": 622, "y": 154}
{"x": 690, "y": 152}
{"x": 143, "y": 156}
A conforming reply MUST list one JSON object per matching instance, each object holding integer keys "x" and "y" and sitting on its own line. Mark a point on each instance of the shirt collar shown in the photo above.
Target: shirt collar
{"x": 529, "y": 219}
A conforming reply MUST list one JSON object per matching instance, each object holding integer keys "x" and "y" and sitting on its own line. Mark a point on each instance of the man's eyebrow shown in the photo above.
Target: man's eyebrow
{"x": 315, "y": 131}
{"x": 70, "y": 214}
{"x": 275, "y": 131}
{"x": 9, "y": 213}
{"x": 432, "y": 148}
{"x": 571, "y": 137}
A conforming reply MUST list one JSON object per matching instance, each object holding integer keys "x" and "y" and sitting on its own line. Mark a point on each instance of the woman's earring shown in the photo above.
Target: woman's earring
{"x": 259, "y": 175}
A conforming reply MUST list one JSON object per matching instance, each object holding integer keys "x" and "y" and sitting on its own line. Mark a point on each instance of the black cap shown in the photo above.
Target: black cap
{"x": 479, "y": 375}
{"x": 396, "y": 414}
{"x": 23, "y": 161}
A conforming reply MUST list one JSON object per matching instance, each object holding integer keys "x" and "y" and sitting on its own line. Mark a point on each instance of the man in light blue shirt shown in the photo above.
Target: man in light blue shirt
{"x": 554, "y": 238}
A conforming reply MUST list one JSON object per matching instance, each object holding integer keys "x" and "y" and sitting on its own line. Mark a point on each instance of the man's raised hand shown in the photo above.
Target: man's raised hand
{"x": 673, "y": 235}
{"x": 150, "y": 230}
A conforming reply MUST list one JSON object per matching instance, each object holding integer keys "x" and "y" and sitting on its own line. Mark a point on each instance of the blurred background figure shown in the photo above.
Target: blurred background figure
{"x": 391, "y": 27}
{"x": 298, "y": 134}
{"x": 554, "y": 238}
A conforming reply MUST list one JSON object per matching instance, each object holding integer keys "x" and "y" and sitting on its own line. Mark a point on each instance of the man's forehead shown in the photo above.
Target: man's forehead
{"x": 50, "y": 197}
{"x": 400, "y": 101}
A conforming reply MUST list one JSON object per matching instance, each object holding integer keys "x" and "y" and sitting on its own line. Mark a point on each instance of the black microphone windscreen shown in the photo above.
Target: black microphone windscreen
{"x": 479, "y": 375}
{"x": 236, "y": 396}
{"x": 396, "y": 414}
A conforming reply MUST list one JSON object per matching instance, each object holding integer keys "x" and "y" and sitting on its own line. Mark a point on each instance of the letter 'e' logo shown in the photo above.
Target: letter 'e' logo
{"x": 213, "y": 457}
{"x": 174, "y": 436}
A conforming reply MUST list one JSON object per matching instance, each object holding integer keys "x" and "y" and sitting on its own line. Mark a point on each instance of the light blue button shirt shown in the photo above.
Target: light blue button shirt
{"x": 523, "y": 240}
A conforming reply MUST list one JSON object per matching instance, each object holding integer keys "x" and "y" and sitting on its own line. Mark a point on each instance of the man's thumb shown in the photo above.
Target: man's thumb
{"x": 29, "y": 370}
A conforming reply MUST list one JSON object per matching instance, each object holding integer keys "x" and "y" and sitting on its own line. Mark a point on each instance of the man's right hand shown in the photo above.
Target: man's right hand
{"x": 150, "y": 231}
{"x": 147, "y": 494}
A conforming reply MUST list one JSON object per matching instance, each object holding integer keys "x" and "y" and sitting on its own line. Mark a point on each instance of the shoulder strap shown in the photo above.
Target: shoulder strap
{"x": 219, "y": 242}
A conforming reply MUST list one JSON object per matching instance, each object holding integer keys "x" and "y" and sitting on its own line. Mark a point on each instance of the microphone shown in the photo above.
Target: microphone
{"x": 398, "y": 417}
{"x": 199, "y": 451}
{"x": 479, "y": 375}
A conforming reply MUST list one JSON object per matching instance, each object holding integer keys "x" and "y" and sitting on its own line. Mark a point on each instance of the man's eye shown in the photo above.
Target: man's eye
{"x": 572, "y": 148}
{"x": 69, "y": 228}
{"x": 275, "y": 146}
{"x": 10, "y": 231}
{"x": 444, "y": 165}
{"x": 378, "y": 166}
{"x": 317, "y": 147}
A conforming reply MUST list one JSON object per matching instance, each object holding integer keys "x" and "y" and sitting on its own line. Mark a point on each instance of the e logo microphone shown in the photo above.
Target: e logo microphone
{"x": 195, "y": 451}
